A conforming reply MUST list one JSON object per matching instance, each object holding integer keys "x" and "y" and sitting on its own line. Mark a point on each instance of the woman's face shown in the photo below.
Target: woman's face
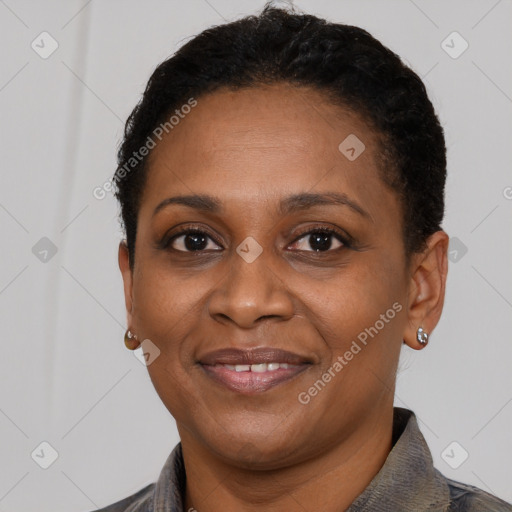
{"x": 268, "y": 166}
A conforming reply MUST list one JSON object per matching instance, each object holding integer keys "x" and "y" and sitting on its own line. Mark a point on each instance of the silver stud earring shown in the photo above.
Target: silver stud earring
{"x": 422, "y": 336}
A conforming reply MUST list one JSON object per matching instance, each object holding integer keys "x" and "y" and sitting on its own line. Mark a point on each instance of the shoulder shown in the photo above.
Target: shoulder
{"x": 468, "y": 498}
{"x": 141, "y": 501}
{"x": 164, "y": 494}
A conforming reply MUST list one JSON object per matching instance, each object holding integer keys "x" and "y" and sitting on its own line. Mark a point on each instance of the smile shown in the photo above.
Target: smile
{"x": 259, "y": 368}
{"x": 254, "y": 370}
{"x": 254, "y": 378}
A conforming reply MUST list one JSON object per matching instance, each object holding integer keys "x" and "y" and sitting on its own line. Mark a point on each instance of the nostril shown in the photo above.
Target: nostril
{"x": 267, "y": 316}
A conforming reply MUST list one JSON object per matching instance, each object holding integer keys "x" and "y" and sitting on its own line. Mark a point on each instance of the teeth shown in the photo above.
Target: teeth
{"x": 258, "y": 368}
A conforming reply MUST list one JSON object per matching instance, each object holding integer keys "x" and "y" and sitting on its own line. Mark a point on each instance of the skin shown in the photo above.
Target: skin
{"x": 250, "y": 149}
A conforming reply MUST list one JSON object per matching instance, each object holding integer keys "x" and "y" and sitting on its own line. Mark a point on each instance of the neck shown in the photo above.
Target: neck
{"x": 331, "y": 481}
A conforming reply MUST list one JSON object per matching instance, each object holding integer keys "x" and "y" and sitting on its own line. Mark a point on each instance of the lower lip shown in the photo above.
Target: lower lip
{"x": 252, "y": 382}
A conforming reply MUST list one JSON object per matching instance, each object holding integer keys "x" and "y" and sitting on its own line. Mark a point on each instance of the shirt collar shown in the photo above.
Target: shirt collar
{"x": 406, "y": 482}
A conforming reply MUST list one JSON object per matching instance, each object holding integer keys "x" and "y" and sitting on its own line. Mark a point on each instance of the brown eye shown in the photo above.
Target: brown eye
{"x": 191, "y": 240}
{"x": 319, "y": 240}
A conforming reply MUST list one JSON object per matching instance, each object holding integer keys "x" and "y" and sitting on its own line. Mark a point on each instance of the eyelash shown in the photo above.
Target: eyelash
{"x": 343, "y": 238}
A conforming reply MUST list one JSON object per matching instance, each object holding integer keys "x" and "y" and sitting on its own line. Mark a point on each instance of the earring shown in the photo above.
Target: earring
{"x": 422, "y": 336}
{"x": 130, "y": 340}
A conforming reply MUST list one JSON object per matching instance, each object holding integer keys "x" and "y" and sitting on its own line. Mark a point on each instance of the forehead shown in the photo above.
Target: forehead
{"x": 265, "y": 142}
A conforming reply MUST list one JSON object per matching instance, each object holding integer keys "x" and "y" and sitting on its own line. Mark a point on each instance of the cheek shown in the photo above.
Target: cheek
{"x": 167, "y": 309}
{"x": 367, "y": 296}
{"x": 341, "y": 304}
{"x": 165, "y": 305}
{"x": 359, "y": 315}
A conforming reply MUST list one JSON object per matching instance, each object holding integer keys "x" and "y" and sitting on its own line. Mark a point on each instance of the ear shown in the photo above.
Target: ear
{"x": 429, "y": 270}
{"x": 124, "y": 266}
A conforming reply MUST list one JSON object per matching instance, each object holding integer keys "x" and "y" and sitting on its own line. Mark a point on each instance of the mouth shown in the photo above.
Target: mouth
{"x": 253, "y": 371}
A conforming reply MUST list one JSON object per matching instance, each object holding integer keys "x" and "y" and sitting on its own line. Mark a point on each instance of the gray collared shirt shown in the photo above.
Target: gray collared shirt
{"x": 407, "y": 482}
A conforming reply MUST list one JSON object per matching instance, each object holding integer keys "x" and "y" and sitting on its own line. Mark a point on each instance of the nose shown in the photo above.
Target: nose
{"x": 250, "y": 293}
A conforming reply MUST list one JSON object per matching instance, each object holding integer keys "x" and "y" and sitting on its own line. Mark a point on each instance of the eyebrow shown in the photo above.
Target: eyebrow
{"x": 290, "y": 204}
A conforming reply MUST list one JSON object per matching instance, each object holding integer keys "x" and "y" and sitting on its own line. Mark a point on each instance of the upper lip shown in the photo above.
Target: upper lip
{"x": 260, "y": 355}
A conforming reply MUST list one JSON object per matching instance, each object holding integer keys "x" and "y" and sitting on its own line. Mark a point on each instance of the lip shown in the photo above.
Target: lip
{"x": 252, "y": 356}
{"x": 250, "y": 382}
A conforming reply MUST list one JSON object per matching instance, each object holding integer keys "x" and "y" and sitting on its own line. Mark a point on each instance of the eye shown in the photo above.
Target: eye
{"x": 320, "y": 240}
{"x": 191, "y": 240}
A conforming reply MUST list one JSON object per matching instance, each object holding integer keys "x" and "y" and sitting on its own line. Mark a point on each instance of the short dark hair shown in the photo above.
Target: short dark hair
{"x": 344, "y": 62}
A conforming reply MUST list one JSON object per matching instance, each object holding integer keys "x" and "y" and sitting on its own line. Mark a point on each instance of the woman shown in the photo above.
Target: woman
{"x": 282, "y": 190}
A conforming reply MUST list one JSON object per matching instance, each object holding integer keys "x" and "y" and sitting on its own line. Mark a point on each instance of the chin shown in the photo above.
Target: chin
{"x": 264, "y": 449}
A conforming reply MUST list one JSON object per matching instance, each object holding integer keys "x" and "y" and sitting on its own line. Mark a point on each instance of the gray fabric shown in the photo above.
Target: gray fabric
{"x": 407, "y": 482}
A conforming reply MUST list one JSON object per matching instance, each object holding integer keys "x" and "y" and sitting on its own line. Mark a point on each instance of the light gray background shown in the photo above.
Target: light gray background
{"x": 66, "y": 377}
